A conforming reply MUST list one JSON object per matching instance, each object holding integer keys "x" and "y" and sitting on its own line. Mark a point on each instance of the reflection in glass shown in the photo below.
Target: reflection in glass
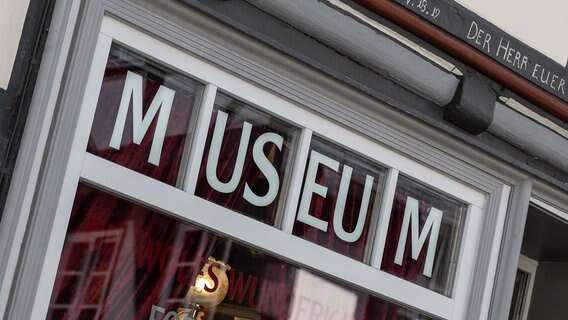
{"x": 424, "y": 236}
{"x": 519, "y": 301}
{"x": 123, "y": 261}
{"x": 142, "y": 92}
{"x": 339, "y": 196}
{"x": 246, "y": 160}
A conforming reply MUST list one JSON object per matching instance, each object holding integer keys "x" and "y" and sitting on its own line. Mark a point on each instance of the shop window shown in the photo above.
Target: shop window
{"x": 195, "y": 162}
{"x": 145, "y": 283}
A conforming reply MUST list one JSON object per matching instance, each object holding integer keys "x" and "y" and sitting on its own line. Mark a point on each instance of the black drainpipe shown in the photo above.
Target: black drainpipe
{"x": 15, "y": 100}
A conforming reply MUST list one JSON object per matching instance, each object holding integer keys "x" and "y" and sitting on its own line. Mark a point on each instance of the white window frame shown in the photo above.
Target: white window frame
{"x": 125, "y": 183}
{"x": 563, "y": 215}
{"x": 530, "y": 267}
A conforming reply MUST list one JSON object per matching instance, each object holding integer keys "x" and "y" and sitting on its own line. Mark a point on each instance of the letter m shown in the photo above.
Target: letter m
{"x": 133, "y": 92}
{"x": 432, "y": 225}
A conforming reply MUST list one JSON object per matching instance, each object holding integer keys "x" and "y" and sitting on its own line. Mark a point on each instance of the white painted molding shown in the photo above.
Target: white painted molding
{"x": 366, "y": 45}
{"x": 34, "y": 143}
{"x": 530, "y": 136}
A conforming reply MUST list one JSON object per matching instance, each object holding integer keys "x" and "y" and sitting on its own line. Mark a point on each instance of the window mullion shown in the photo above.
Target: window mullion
{"x": 199, "y": 138}
{"x": 295, "y": 185}
{"x": 384, "y": 218}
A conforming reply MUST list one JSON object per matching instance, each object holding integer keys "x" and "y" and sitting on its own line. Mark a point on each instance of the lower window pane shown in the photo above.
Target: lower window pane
{"x": 140, "y": 264}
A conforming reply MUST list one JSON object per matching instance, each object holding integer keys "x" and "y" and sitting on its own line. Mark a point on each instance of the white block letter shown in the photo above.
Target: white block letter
{"x": 411, "y": 214}
{"x": 213, "y": 160}
{"x": 310, "y": 187}
{"x": 340, "y": 207}
{"x": 133, "y": 91}
{"x": 267, "y": 169}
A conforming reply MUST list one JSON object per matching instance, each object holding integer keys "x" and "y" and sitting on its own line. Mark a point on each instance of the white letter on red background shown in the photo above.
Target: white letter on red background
{"x": 340, "y": 207}
{"x": 311, "y": 187}
{"x": 133, "y": 91}
{"x": 432, "y": 224}
{"x": 267, "y": 169}
{"x": 213, "y": 160}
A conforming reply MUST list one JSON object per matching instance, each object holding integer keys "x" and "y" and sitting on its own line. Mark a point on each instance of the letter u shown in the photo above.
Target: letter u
{"x": 213, "y": 160}
{"x": 340, "y": 207}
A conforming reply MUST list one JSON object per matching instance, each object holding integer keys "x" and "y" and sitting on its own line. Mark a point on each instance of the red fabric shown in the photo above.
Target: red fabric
{"x": 410, "y": 269}
{"x": 130, "y": 155}
{"x": 120, "y": 259}
{"x": 145, "y": 273}
{"x": 444, "y": 261}
{"x": 251, "y": 173}
{"x": 144, "y": 268}
{"x": 323, "y": 208}
{"x": 370, "y": 307}
{"x": 141, "y": 275}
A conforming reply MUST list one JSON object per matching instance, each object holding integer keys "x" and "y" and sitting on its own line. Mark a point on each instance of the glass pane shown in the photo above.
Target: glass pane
{"x": 339, "y": 196}
{"x": 246, "y": 159}
{"x": 424, "y": 236}
{"x": 143, "y": 115}
{"x": 154, "y": 261}
{"x": 519, "y": 295}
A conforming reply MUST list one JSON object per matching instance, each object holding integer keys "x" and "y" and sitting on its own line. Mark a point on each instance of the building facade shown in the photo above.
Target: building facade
{"x": 296, "y": 159}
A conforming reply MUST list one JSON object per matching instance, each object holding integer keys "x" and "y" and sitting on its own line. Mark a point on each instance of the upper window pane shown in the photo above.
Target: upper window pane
{"x": 424, "y": 236}
{"x": 143, "y": 115}
{"x": 246, "y": 160}
{"x": 124, "y": 261}
{"x": 341, "y": 192}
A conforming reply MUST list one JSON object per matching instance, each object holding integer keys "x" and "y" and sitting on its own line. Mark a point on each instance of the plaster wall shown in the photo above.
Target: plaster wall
{"x": 540, "y": 24}
{"x": 12, "y": 18}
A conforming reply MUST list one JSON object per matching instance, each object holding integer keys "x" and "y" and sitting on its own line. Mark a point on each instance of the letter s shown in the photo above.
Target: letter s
{"x": 267, "y": 169}
{"x": 213, "y": 277}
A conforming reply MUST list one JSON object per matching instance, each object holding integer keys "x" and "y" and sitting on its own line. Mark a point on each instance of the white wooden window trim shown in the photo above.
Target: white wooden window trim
{"x": 295, "y": 185}
{"x": 466, "y": 260}
{"x": 553, "y": 210}
{"x": 529, "y": 266}
{"x": 199, "y": 138}
{"x": 495, "y": 249}
{"x": 131, "y": 185}
{"x": 65, "y": 203}
{"x": 65, "y": 30}
{"x": 384, "y": 219}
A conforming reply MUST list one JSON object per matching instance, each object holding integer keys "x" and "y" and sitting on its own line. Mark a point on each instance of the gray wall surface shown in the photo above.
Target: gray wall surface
{"x": 549, "y": 298}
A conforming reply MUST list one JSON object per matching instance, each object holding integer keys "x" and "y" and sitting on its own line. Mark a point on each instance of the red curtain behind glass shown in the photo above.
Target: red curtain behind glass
{"x": 142, "y": 274}
{"x": 411, "y": 269}
{"x": 251, "y": 173}
{"x": 146, "y": 267}
{"x": 131, "y": 155}
{"x": 148, "y": 271}
{"x": 323, "y": 208}
{"x": 158, "y": 259}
